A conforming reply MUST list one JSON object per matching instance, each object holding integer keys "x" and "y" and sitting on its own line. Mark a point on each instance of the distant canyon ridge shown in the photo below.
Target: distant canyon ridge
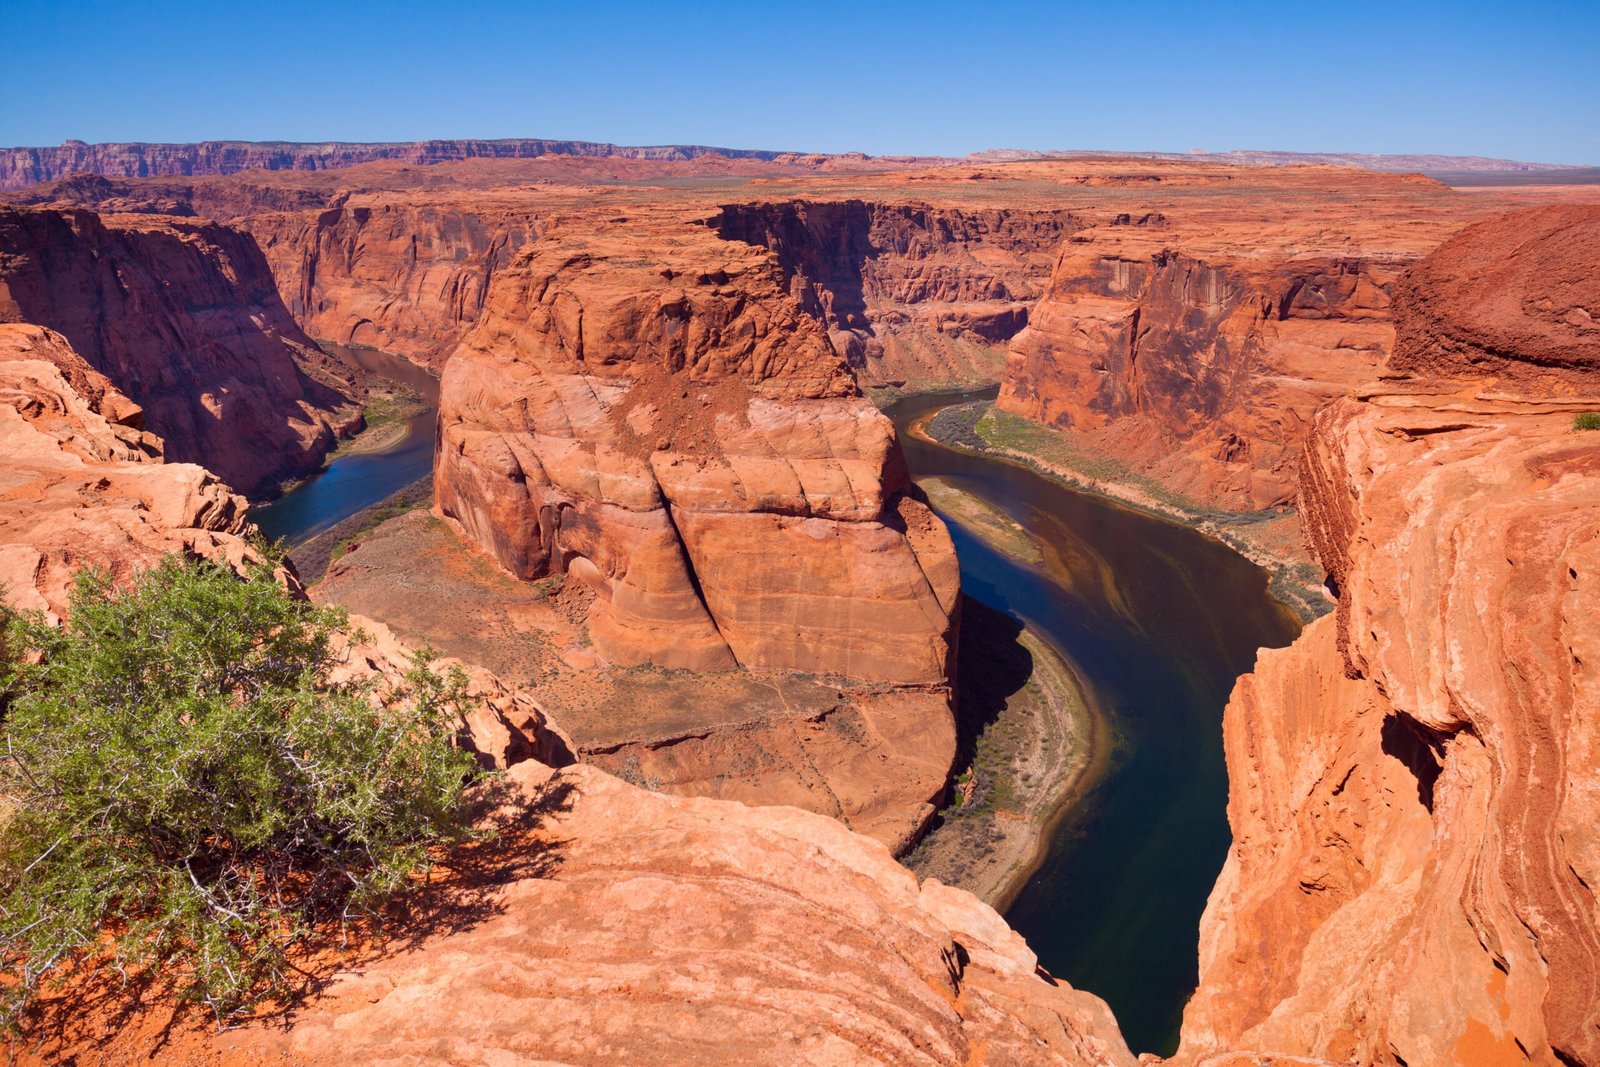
{"x": 24, "y": 166}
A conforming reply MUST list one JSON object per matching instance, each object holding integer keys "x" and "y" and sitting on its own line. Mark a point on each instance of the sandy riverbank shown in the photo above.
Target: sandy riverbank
{"x": 1033, "y": 742}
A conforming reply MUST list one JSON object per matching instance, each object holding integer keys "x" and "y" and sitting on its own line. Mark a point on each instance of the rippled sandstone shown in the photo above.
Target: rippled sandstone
{"x": 1414, "y": 783}
{"x": 640, "y": 926}
{"x": 84, "y": 483}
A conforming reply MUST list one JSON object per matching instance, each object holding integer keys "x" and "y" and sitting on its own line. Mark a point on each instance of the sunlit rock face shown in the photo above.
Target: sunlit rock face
{"x": 1414, "y": 783}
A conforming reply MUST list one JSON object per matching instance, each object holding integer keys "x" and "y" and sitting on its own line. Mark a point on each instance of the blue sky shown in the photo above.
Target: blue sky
{"x": 1480, "y": 78}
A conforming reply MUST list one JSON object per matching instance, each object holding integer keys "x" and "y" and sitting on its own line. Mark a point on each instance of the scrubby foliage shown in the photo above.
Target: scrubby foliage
{"x": 186, "y": 793}
{"x": 1589, "y": 420}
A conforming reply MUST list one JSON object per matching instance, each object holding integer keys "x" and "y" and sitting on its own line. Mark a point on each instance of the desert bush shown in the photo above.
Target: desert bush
{"x": 1589, "y": 420}
{"x": 186, "y": 793}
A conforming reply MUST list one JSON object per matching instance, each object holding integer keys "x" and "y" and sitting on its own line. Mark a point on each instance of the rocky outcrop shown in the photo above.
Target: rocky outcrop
{"x": 500, "y": 724}
{"x": 658, "y": 418}
{"x": 184, "y": 318}
{"x": 84, "y": 485}
{"x": 1414, "y": 783}
{"x": 1520, "y": 303}
{"x": 636, "y": 927}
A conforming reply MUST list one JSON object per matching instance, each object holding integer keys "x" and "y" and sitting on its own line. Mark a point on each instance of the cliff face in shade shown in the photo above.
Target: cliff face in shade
{"x": 83, "y": 483}
{"x": 658, "y": 417}
{"x": 1414, "y": 783}
{"x": 184, "y": 318}
{"x": 908, "y": 291}
{"x": 407, "y": 278}
{"x": 640, "y": 927}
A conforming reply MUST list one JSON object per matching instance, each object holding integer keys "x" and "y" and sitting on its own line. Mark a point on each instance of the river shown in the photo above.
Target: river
{"x": 1159, "y": 621}
{"x": 358, "y": 480}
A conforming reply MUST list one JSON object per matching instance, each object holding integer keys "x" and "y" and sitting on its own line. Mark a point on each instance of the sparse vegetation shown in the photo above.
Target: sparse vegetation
{"x": 186, "y": 794}
{"x": 1589, "y": 420}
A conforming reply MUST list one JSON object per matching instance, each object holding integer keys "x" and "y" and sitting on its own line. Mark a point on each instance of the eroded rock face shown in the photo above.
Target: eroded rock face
{"x": 83, "y": 483}
{"x": 1204, "y": 368}
{"x": 657, "y": 417}
{"x": 184, "y": 318}
{"x": 1415, "y": 782}
{"x": 407, "y": 278}
{"x": 909, "y": 291}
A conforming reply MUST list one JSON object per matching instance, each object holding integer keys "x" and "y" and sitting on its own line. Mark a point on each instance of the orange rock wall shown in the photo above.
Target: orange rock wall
{"x": 183, "y": 317}
{"x": 1205, "y": 369}
{"x": 1415, "y": 782}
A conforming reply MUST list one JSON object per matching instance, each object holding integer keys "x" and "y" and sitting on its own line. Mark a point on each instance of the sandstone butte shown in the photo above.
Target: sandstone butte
{"x": 654, "y": 328}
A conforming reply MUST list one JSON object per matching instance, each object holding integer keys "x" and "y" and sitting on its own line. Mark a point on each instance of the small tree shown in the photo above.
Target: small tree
{"x": 185, "y": 790}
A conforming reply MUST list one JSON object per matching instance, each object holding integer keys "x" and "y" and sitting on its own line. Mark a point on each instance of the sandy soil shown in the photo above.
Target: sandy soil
{"x": 1042, "y": 753}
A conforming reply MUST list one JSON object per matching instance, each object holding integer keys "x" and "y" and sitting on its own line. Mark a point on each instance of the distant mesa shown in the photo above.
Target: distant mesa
{"x": 24, "y": 166}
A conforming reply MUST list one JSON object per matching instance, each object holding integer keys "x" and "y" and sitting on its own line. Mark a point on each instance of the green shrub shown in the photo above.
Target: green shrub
{"x": 187, "y": 794}
{"x": 1589, "y": 420}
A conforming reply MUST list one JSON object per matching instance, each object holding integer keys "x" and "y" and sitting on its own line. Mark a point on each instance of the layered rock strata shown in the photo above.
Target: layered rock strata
{"x": 1204, "y": 368}
{"x": 909, "y": 292}
{"x": 27, "y": 166}
{"x": 407, "y": 278}
{"x": 661, "y": 420}
{"x": 657, "y": 418}
{"x": 185, "y": 319}
{"x": 1414, "y": 783}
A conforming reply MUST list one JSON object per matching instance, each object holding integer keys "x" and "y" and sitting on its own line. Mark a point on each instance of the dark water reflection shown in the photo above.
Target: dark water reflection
{"x": 353, "y": 482}
{"x": 1159, "y": 621}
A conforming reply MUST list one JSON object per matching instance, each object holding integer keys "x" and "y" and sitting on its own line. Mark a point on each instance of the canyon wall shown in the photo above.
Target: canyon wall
{"x": 1202, "y": 369}
{"x": 409, "y": 277}
{"x": 184, "y": 317}
{"x": 909, "y": 292}
{"x": 1414, "y": 783}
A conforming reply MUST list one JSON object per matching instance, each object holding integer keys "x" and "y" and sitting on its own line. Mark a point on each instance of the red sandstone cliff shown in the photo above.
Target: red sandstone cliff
{"x": 184, "y": 318}
{"x": 908, "y": 291}
{"x": 655, "y": 416}
{"x": 659, "y": 418}
{"x": 407, "y": 278}
{"x": 83, "y": 483}
{"x": 1414, "y": 783}
{"x": 1205, "y": 369}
